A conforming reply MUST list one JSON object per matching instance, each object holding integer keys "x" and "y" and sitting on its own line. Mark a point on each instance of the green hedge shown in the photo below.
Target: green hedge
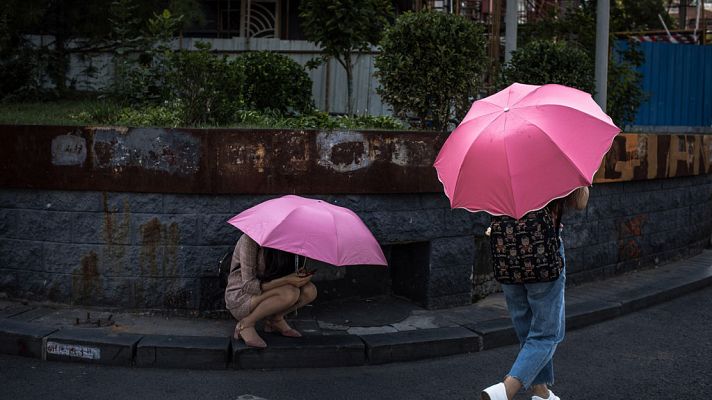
{"x": 430, "y": 66}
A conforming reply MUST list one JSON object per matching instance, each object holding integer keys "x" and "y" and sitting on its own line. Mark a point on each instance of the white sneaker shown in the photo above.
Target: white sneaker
{"x": 552, "y": 396}
{"x": 495, "y": 392}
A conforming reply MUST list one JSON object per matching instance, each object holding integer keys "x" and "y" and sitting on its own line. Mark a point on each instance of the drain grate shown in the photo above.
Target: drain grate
{"x": 90, "y": 322}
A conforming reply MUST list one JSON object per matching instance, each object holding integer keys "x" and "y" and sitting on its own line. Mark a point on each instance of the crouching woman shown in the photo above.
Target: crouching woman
{"x": 263, "y": 284}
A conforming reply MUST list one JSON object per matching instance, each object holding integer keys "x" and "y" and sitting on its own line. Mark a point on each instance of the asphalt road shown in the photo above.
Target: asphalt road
{"x": 664, "y": 352}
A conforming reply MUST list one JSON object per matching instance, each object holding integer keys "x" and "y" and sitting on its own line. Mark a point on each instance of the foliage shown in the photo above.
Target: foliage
{"x": 578, "y": 26}
{"x": 58, "y": 112}
{"x": 19, "y": 77}
{"x": 542, "y": 62}
{"x": 141, "y": 60}
{"x": 205, "y": 86}
{"x": 579, "y": 23}
{"x": 162, "y": 115}
{"x": 19, "y": 63}
{"x": 274, "y": 82}
{"x": 107, "y": 112}
{"x": 342, "y": 28}
{"x": 625, "y": 91}
{"x": 190, "y": 11}
{"x": 114, "y": 114}
{"x": 430, "y": 65}
{"x": 638, "y": 15}
{"x": 80, "y": 27}
{"x": 319, "y": 120}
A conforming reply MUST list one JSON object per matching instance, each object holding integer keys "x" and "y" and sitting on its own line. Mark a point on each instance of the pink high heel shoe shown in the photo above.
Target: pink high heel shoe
{"x": 270, "y": 327}
{"x": 256, "y": 343}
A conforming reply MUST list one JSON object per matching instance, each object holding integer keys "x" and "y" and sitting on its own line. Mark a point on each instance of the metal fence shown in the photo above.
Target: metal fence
{"x": 95, "y": 71}
{"x": 678, "y": 78}
{"x": 329, "y": 88}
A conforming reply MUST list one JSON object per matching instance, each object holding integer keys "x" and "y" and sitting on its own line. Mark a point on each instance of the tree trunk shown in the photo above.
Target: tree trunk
{"x": 60, "y": 62}
{"x": 349, "y": 84}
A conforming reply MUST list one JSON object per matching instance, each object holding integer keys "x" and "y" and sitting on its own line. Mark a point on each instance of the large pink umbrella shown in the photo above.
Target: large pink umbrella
{"x": 311, "y": 228}
{"x": 520, "y": 148}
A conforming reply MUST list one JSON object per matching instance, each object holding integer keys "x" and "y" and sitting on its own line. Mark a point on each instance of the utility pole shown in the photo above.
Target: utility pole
{"x": 494, "y": 40}
{"x": 683, "y": 14}
{"x": 603, "y": 10}
{"x": 510, "y": 26}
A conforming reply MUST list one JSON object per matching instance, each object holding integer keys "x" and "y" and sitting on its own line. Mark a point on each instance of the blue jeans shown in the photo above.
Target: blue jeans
{"x": 537, "y": 311}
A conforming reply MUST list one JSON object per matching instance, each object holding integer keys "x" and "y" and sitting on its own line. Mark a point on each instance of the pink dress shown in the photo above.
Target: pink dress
{"x": 242, "y": 283}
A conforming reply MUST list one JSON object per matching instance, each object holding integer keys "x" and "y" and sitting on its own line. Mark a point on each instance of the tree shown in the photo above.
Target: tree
{"x": 541, "y": 62}
{"x": 430, "y": 64}
{"x": 18, "y": 62}
{"x": 638, "y": 15}
{"x": 79, "y": 26}
{"x": 579, "y": 26}
{"x": 342, "y": 28}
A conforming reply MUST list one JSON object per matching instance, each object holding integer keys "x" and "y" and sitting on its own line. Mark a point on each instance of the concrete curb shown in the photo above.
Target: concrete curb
{"x": 100, "y": 346}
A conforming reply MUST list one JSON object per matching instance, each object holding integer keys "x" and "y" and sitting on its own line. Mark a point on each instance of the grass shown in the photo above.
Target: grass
{"x": 90, "y": 111}
{"x": 59, "y": 112}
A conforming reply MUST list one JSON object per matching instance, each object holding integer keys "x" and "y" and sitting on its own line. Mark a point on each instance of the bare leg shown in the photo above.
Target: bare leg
{"x": 307, "y": 294}
{"x": 277, "y": 300}
{"x": 513, "y": 385}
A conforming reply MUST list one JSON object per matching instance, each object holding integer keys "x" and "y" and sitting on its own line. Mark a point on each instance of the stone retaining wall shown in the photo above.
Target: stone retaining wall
{"x": 138, "y": 250}
{"x": 131, "y": 248}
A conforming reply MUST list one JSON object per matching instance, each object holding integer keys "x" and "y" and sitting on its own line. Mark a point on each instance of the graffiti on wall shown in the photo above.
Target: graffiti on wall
{"x": 643, "y": 156}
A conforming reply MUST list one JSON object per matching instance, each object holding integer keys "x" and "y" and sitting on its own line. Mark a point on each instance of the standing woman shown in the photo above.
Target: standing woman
{"x": 263, "y": 284}
{"x": 537, "y": 312}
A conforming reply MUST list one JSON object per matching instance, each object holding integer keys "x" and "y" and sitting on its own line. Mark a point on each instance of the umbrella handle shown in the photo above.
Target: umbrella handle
{"x": 296, "y": 269}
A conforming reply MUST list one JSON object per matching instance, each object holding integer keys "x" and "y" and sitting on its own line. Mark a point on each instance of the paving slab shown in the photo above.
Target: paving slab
{"x": 22, "y": 338}
{"x": 495, "y": 333}
{"x": 304, "y": 352}
{"x": 32, "y": 314}
{"x": 419, "y": 344}
{"x": 192, "y": 352}
{"x": 353, "y": 332}
{"x": 14, "y": 310}
{"x": 91, "y": 345}
{"x": 581, "y": 313}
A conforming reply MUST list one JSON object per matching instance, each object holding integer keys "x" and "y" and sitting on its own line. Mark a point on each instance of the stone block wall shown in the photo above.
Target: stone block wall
{"x": 626, "y": 226}
{"x": 136, "y": 217}
{"x": 160, "y": 251}
{"x": 638, "y": 224}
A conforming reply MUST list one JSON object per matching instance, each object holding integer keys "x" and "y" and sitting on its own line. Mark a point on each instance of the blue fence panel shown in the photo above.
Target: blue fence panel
{"x": 678, "y": 79}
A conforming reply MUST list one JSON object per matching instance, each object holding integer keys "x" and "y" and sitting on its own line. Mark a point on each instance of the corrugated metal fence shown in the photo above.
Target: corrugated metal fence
{"x": 678, "y": 78}
{"x": 329, "y": 89}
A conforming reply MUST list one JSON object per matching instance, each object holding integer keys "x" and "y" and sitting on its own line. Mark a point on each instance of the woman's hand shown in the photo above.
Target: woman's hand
{"x": 579, "y": 198}
{"x": 297, "y": 280}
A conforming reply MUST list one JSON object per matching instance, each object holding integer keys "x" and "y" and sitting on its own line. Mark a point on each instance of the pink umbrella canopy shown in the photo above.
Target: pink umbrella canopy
{"x": 522, "y": 147}
{"x": 311, "y": 228}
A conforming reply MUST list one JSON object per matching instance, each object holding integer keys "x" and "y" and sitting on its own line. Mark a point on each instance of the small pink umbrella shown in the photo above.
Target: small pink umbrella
{"x": 522, "y": 147}
{"x": 311, "y": 228}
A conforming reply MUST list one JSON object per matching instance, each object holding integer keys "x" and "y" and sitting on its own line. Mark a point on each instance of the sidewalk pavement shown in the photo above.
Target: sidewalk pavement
{"x": 340, "y": 333}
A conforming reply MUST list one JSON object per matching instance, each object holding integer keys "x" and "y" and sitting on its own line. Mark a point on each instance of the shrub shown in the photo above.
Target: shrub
{"x": 19, "y": 75}
{"x": 317, "y": 120}
{"x": 370, "y": 122}
{"x": 163, "y": 115}
{"x": 625, "y": 83}
{"x": 137, "y": 84}
{"x": 274, "y": 82}
{"x": 205, "y": 86}
{"x": 110, "y": 113}
{"x": 542, "y": 62}
{"x": 430, "y": 64}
